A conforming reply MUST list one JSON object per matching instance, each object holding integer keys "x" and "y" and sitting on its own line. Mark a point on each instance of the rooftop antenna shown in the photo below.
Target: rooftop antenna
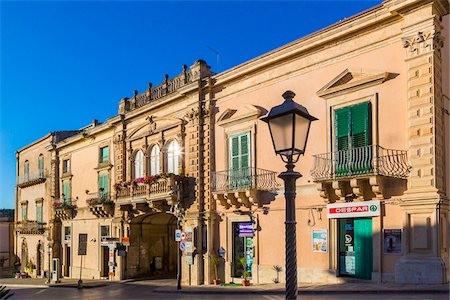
{"x": 217, "y": 56}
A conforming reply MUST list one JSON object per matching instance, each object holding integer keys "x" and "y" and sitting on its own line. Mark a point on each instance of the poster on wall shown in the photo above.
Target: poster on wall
{"x": 392, "y": 239}
{"x": 320, "y": 240}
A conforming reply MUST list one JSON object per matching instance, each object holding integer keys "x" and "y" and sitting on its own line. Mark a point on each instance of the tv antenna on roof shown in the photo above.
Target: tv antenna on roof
{"x": 217, "y": 56}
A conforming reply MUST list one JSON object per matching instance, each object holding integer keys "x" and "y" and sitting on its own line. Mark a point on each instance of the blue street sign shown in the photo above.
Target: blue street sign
{"x": 182, "y": 246}
{"x": 221, "y": 252}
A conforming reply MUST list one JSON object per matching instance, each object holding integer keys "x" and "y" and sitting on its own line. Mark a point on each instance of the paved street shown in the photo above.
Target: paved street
{"x": 163, "y": 289}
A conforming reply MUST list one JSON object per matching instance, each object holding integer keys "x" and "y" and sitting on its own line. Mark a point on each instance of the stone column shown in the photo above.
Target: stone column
{"x": 422, "y": 41}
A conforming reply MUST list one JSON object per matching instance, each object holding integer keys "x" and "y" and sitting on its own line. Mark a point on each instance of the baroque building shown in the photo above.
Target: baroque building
{"x": 192, "y": 153}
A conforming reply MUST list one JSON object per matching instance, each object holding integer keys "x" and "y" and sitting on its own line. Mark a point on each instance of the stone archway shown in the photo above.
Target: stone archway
{"x": 153, "y": 250}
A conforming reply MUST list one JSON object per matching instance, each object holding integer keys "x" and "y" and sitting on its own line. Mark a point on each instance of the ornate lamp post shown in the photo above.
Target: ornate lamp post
{"x": 289, "y": 125}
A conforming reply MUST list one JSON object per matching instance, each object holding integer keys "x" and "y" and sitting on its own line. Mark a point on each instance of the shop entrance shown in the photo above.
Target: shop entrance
{"x": 243, "y": 248}
{"x": 355, "y": 247}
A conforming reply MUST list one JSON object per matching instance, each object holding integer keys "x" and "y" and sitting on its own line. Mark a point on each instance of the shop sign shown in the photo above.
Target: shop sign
{"x": 353, "y": 209}
{"x": 392, "y": 239}
{"x": 106, "y": 241}
{"x": 245, "y": 229}
{"x": 320, "y": 237}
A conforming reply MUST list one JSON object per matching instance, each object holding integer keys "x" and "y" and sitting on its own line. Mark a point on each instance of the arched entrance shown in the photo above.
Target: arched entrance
{"x": 24, "y": 255}
{"x": 153, "y": 250}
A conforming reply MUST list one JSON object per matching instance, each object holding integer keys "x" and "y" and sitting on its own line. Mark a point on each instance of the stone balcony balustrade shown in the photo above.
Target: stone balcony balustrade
{"x": 361, "y": 173}
{"x": 153, "y": 192}
{"x": 30, "y": 227}
{"x": 32, "y": 178}
{"x": 64, "y": 208}
{"x": 244, "y": 187}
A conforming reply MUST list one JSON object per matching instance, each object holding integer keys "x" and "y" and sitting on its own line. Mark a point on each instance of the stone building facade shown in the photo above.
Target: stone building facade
{"x": 379, "y": 84}
{"x": 192, "y": 153}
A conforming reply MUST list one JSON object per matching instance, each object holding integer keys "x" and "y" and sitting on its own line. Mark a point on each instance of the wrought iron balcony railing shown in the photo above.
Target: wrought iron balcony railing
{"x": 100, "y": 197}
{"x": 30, "y": 227}
{"x": 244, "y": 179}
{"x": 32, "y": 178}
{"x": 367, "y": 160}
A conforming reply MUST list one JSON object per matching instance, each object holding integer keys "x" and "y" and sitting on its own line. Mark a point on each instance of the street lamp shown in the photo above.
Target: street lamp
{"x": 289, "y": 125}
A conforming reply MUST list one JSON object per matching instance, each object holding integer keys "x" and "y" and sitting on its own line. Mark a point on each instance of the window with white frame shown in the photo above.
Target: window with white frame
{"x": 173, "y": 153}
{"x": 154, "y": 160}
{"x": 139, "y": 164}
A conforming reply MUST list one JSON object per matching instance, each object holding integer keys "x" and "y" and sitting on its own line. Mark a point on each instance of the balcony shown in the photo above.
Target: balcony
{"x": 32, "y": 178}
{"x": 246, "y": 186}
{"x": 64, "y": 208}
{"x": 30, "y": 227}
{"x": 100, "y": 204}
{"x": 364, "y": 173}
{"x": 151, "y": 192}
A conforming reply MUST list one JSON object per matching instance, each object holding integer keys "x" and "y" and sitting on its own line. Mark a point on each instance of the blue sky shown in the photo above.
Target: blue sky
{"x": 64, "y": 63}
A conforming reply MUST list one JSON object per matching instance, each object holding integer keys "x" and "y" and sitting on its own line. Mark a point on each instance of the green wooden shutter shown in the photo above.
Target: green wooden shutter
{"x": 104, "y": 154}
{"x": 342, "y": 127}
{"x": 244, "y": 153}
{"x": 342, "y": 131}
{"x": 26, "y": 171}
{"x": 103, "y": 182}
{"x": 41, "y": 166}
{"x": 363, "y": 248}
{"x": 234, "y": 149}
{"x": 39, "y": 213}
{"x": 360, "y": 125}
{"x": 66, "y": 192}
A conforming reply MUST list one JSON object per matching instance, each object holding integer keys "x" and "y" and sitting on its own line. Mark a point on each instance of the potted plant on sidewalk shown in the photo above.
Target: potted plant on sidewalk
{"x": 245, "y": 273}
{"x": 215, "y": 261}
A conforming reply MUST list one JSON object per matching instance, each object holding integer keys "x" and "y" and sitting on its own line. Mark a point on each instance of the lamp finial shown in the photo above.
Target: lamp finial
{"x": 288, "y": 95}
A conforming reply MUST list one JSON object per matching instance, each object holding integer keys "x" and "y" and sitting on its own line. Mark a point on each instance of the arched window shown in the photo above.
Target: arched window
{"x": 154, "y": 160}
{"x": 173, "y": 152}
{"x": 41, "y": 166}
{"x": 139, "y": 164}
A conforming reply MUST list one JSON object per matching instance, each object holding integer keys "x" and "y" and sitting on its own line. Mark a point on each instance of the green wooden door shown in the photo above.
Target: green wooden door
{"x": 363, "y": 248}
{"x": 66, "y": 192}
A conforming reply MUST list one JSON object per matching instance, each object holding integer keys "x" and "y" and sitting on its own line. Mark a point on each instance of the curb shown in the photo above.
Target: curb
{"x": 26, "y": 286}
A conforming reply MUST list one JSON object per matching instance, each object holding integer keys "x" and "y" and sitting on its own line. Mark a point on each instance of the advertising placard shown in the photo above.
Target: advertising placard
{"x": 320, "y": 240}
{"x": 392, "y": 240}
{"x": 177, "y": 235}
{"x": 353, "y": 209}
{"x": 246, "y": 229}
{"x": 82, "y": 243}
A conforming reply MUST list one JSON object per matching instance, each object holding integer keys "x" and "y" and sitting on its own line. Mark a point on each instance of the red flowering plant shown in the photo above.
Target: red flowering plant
{"x": 150, "y": 179}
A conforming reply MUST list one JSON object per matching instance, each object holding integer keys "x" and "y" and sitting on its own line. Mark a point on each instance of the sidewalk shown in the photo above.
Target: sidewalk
{"x": 368, "y": 288}
{"x": 41, "y": 283}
